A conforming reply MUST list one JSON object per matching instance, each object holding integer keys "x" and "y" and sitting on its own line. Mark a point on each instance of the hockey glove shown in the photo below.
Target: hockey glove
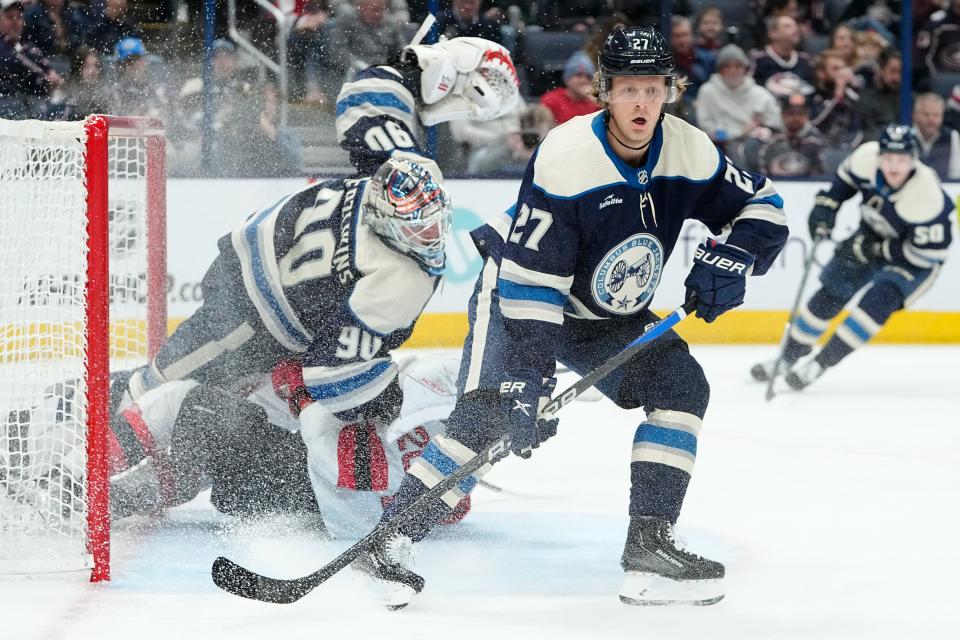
{"x": 718, "y": 278}
{"x": 865, "y": 246}
{"x": 522, "y": 395}
{"x": 823, "y": 216}
{"x": 287, "y": 378}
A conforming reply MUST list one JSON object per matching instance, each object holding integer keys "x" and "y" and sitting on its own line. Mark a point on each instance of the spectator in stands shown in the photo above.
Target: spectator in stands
{"x": 139, "y": 88}
{"x": 793, "y": 152}
{"x": 780, "y": 63}
{"x": 951, "y": 117}
{"x": 464, "y": 19}
{"x": 361, "y": 40}
{"x": 476, "y": 137}
{"x": 835, "y": 110}
{"x": 574, "y": 98}
{"x": 880, "y": 16}
{"x": 731, "y": 106}
{"x": 26, "y": 77}
{"x": 254, "y": 144}
{"x": 308, "y": 49}
{"x": 710, "y": 32}
{"x": 57, "y": 28}
{"x": 112, "y": 27}
{"x": 570, "y": 15}
{"x": 692, "y": 61}
{"x": 939, "y": 145}
{"x": 938, "y": 41}
{"x": 842, "y": 40}
{"x": 85, "y": 90}
{"x": 512, "y": 153}
{"x": 879, "y": 102}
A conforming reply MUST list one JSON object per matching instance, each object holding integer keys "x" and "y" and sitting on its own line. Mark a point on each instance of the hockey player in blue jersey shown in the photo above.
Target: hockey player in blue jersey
{"x": 895, "y": 254}
{"x": 336, "y": 274}
{"x": 569, "y": 273}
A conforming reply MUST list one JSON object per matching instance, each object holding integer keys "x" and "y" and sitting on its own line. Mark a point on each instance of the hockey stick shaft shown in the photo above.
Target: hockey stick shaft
{"x": 794, "y": 310}
{"x": 237, "y": 580}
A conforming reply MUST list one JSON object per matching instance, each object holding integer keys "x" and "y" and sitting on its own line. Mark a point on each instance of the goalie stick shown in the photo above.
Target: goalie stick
{"x": 235, "y": 579}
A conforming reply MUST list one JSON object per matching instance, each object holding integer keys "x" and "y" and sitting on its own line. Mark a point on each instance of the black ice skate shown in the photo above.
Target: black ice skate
{"x": 388, "y": 565}
{"x": 660, "y": 572}
{"x": 763, "y": 371}
{"x": 804, "y": 373}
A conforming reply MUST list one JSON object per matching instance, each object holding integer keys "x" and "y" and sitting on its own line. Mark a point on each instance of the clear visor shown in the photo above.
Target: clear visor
{"x": 630, "y": 93}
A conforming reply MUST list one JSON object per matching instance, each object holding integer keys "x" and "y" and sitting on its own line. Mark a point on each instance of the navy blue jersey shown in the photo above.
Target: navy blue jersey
{"x": 590, "y": 235}
{"x": 327, "y": 287}
{"x": 914, "y": 220}
{"x": 377, "y": 119}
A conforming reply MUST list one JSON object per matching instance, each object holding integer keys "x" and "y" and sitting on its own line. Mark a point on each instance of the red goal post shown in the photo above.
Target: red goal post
{"x": 82, "y": 293}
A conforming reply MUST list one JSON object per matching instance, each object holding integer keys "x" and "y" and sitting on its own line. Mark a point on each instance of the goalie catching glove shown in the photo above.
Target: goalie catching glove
{"x": 464, "y": 78}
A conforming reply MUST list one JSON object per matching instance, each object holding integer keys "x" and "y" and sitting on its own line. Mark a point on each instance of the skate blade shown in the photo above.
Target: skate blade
{"x": 648, "y": 589}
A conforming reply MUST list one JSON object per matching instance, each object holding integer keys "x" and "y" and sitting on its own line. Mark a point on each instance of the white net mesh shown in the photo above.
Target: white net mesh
{"x": 43, "y": 413}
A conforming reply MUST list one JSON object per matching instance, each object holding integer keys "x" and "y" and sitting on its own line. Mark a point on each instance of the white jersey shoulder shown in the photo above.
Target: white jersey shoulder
{"x": 920, "y": 200}
{"x": 861, "y": 165}
{"x": 393, "y": 289}
{"x": 571, "y": 160}
{"x": 687, "y": 152}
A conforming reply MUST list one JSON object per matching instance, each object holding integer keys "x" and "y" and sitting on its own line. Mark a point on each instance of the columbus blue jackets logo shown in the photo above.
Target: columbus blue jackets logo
{"x": 626, "y": 278}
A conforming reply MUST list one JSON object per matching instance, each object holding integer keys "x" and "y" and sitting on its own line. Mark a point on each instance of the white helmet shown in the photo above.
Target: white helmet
{"x": 410, "y": 211}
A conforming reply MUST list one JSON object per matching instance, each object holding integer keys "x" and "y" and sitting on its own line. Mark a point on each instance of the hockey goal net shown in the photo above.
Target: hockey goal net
{"x": 82, "y": 293}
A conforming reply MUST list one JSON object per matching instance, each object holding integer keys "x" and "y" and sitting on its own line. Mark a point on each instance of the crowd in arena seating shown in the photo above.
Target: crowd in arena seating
{"x": 786, "y": 87}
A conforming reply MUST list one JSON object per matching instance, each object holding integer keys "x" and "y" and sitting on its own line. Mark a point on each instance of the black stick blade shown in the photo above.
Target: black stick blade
{"x": 233, "y": 578}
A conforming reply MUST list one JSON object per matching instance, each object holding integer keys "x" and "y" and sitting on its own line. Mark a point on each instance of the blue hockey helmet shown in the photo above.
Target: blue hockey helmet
{"x": 636, "y": 51}
{"x": 899, "y": 138}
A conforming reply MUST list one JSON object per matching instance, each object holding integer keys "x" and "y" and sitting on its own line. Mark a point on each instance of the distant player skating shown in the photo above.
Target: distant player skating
{"x": 894, "y": 256}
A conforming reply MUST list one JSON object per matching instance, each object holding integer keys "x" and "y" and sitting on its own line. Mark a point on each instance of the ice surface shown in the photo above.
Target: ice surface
{"x": 835, "y": 511}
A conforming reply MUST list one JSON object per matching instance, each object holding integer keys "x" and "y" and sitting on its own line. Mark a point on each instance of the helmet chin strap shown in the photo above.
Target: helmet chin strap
{"x": 624, "y": 144}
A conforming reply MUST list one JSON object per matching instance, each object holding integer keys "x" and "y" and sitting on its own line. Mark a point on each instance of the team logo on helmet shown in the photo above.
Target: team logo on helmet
{"x": 626, "y": 278}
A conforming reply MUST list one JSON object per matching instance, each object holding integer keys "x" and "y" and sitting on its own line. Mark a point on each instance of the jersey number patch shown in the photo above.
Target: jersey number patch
{"x": 390, "y": 136}
{"x": 544, "y": 220}
{"x": 356, "y": 342}
{"x": 311, "y": 257}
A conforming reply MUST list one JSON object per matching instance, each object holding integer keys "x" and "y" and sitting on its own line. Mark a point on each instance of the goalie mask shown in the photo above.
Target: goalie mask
{"x": 410, "y": 211}
{"x": 464, "y": 78}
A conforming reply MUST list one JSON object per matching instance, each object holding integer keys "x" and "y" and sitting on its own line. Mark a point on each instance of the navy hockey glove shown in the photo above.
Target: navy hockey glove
{"x": 823, "y": 216}
{"x": 718, "y": 278}
{"x": 865, "y": 246}
{"x": 522, "y": 394}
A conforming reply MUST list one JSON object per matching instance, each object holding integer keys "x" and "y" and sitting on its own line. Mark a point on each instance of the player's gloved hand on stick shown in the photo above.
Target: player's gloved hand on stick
{"x": 287, "y": 378}
{"x": 823, "y": 216}
{"x": 522, "y": 395}
{"x": 864, "y": 246}
{"x": 718, "y": 278}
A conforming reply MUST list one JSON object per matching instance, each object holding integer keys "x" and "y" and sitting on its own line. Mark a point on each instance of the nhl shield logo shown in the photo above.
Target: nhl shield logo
{"x": 626, "y": 278}
{"x": 642, "y": 176}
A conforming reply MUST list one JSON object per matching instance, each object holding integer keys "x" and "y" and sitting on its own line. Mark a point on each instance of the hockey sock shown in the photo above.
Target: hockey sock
{"x": 877, "y": 305}
{"x": 439, "y": 459}
{"x": 664, "y": 450}
{"x": 812, "y": 320}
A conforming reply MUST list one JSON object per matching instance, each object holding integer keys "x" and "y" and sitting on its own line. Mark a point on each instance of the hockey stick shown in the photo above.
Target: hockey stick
{"x": 237, "y": 580}
{"x": 808, "y": 263}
